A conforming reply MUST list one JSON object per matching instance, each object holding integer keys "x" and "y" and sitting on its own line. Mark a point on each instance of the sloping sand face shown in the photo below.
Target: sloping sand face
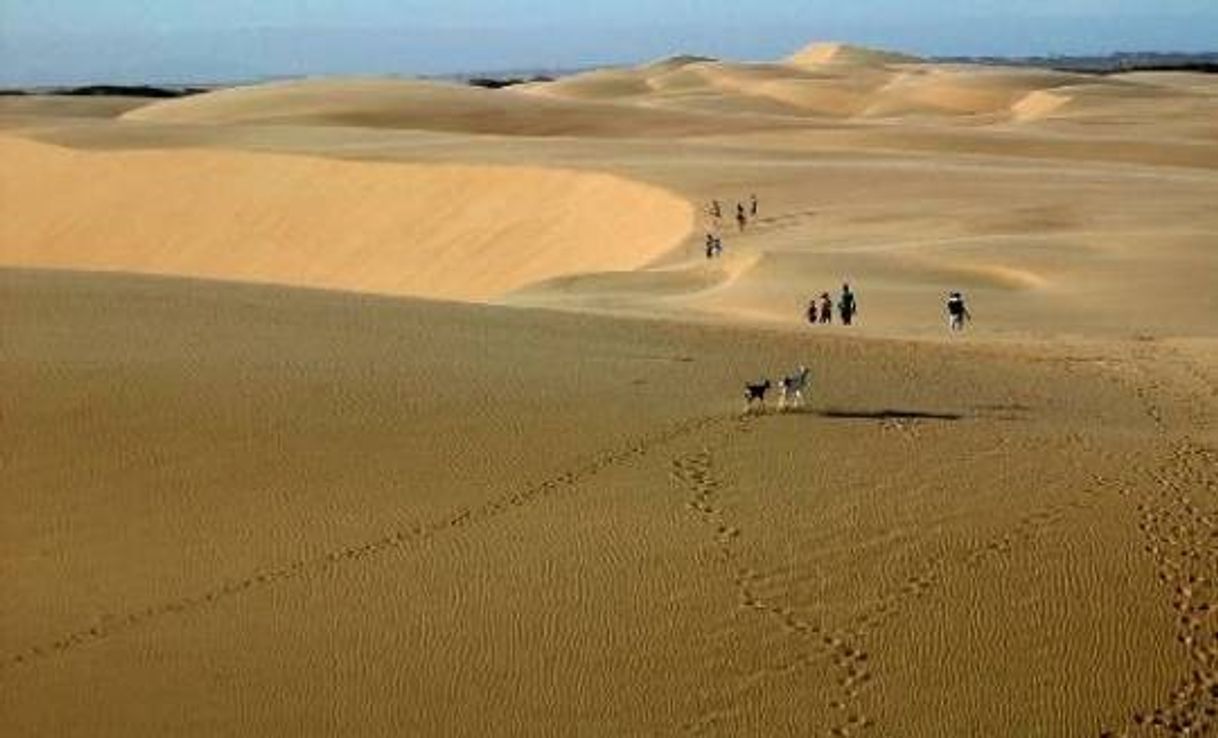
{"x": 454, "y": 232}
{"x": 235, "y": 509}
{"x": 428, "y": 106}
{"x": 239, "y": 510}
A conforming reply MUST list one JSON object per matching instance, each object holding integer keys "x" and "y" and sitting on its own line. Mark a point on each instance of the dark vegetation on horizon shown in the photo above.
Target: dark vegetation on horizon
{"x": 130, "y": 91}
{"x": 1125, "y": 61}
{"x": 496, "y": 83}
{"x": 148, "y": 91}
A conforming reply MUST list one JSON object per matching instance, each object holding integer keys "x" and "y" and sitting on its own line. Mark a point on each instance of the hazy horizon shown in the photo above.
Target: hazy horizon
{"x": 74, "y": 42}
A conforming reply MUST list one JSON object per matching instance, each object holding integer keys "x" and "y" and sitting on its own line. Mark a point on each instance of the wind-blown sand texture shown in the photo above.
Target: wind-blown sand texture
{"x": 492, "y": 477}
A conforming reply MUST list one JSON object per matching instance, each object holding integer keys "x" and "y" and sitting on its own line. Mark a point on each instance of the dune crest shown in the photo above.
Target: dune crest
{"x": 442, "y": 231}
{"x": 398, "y": 104}
{"x": 821, "y": 53}
{"x": 1039, "y": 105}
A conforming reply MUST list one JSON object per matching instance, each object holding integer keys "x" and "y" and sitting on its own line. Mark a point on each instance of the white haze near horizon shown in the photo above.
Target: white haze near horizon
{"x": 50, "y": 42}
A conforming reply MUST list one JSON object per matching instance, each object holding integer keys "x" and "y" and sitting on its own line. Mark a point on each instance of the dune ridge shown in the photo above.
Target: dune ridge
{"x": 835, "y": 52}
{"x": 689, "y": 95}
{"x": 443, "y": 107}
{"x": 489, "y": 499}
{"x": 454, "y": 232}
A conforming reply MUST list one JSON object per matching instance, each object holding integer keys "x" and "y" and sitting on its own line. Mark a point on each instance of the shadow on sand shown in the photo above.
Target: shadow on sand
{"x": 887, "y": 414}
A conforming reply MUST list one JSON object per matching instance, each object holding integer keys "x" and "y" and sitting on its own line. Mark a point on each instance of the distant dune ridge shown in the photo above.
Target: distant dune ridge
{"x": 381, "y": 407}
{"x": 415, "y": 105}
{"x": 679, "y": 95}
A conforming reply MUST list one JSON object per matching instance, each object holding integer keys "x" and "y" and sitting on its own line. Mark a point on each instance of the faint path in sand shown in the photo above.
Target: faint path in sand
{"x": 391, "y": 540}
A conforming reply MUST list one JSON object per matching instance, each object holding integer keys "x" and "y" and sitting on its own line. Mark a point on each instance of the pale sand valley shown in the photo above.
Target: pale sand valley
{"x": 383, "y": 407}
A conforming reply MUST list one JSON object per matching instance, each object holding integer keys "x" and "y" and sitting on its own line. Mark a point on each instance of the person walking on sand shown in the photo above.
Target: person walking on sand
{"x": 812, "y": 317}
{"x": 753, "y": 206}
{"x": 957, "y": 312}
{"x": 710, "y": 245}
{"x": 715, "y": 211}
{"x": 741, "y": 219}
{"x": 846, "y": 306}
{"x": 826, "y": 308}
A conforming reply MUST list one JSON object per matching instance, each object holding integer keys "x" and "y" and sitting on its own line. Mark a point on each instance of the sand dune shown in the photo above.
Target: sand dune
{"x": 1039, "y": 105}
{"x": 686, "y": 96}
{"x": 846, "y": 82}
{"x": 266, "y": 485}
{"x": 33, "y": 107}
{"x": 838, "y": 53}
{"x": 533, "y": 506}
{"x": 409, "y": 105}
{"x": 439, "y": 231}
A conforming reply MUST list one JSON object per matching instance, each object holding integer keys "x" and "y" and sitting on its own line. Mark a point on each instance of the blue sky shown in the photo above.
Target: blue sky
{"x": 70, "y": 41}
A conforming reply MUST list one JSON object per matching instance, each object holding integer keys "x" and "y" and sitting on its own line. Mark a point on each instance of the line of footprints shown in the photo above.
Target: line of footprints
{"x": 695, "y": 473}
{"x": 1180, "y": 528}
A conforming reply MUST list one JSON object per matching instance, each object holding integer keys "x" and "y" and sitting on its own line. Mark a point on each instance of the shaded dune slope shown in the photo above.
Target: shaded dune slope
{"x": 443, "y": 231}
{"x": 412, "y": 105}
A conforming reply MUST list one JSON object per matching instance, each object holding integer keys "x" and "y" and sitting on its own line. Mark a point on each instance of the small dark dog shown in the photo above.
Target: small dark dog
{"x": 755, "y": 393}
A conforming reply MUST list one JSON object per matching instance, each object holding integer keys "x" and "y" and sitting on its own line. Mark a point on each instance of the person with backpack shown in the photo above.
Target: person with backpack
{"x": 846, "y": 306}
{"x": 957, "y": 312}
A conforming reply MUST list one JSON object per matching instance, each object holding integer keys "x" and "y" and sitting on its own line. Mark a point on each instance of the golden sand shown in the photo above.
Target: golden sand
{"x": 237, "y": 506}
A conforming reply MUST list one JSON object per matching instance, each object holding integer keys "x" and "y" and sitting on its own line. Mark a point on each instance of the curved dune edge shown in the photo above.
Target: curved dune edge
{"x": 454, "y": 232}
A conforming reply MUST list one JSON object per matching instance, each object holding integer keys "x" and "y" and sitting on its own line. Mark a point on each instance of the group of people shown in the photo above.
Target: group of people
{"x": 820, "y": 310}
{"x": 743, "y": 214}
{"x": 714, "y": 242}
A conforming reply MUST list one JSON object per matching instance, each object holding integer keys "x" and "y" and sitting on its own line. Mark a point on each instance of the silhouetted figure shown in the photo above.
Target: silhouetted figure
{"x": 957, "y": 312}
{"x": 741, "y": 219}
{"x": 753, "y": 206}
{"x": 826, "y": 308}
{"x": 710, "y": 245}
{"x": 846, "y": 305}
{"x": 715, "y": 211}
{"x": 812, "y": 317}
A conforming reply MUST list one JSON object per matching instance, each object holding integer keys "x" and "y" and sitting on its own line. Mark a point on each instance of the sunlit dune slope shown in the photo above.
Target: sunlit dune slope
{"x": 833, "y": 52}
{"x": 689, "y": 95}
{"x": 839, "y": 81}
{"x": 447, "y": 231}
